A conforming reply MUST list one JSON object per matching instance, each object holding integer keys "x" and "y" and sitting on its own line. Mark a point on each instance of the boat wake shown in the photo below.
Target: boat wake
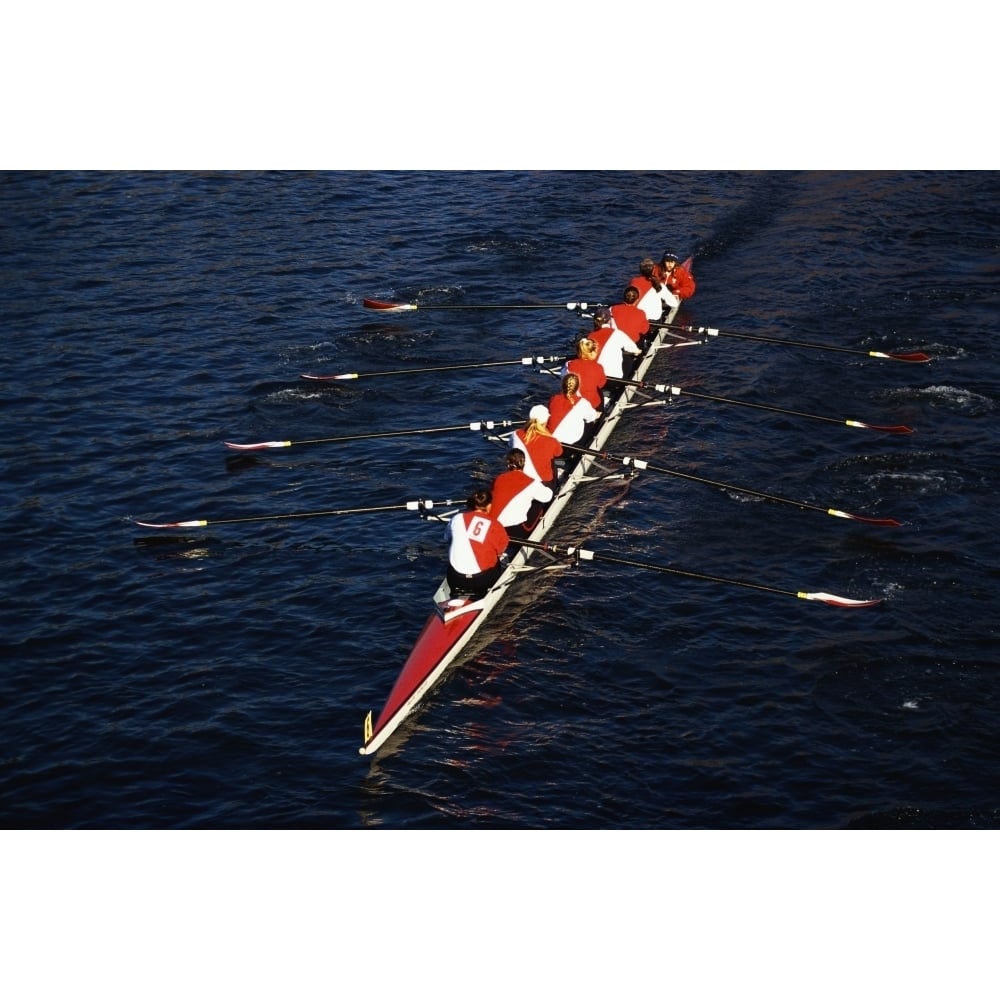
{"x": 953, "y": 398}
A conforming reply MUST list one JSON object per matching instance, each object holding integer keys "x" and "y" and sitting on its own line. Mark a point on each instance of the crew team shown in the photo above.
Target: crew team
{"x": 482, "y": 537}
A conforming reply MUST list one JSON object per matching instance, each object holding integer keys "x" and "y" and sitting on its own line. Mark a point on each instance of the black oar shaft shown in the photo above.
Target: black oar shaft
{"x": 711, "y": 331}
{"x": 676, "y": 390}
{"x": 440, "y": 368}
{"x": 416, "y": 505}
{"x": 642, "y": 464}
{"x": 692, "y": 478}
{"x": 495, "y": 305}
{"x": 383, "y": 306}
{"x": 762, "y": 406}
{"x": 598, "y": 557}
{"x": 474, "y": 426}
{"x": 655, "y": 567}
{"x": 413, "y": 505}
{"x": 738, "y": 489}
{"x": 371, "y": 435}
{"x": 575, "y": 552}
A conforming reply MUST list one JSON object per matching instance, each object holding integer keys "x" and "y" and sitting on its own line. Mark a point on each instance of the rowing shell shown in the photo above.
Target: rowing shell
{"x": 454, "y": 621}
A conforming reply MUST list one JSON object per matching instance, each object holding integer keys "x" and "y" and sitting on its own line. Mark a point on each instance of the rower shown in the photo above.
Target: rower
{"x": 628, "y": 317}
{"x": 569, "y": 412}
{"x": 612, "y": 344}
{"x": 477, "y": 553}
{"x": 655, "y": 298}
{"x": 541, "y": 449}
{"x": 676, "y": 276}
{"x": 592, "y": 376}
{"x": 518, "y": 499}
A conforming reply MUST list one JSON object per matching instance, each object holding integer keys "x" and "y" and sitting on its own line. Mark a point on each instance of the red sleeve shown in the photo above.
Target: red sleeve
{"x": 499, "y": 538}
{"x": 685, "y": 283}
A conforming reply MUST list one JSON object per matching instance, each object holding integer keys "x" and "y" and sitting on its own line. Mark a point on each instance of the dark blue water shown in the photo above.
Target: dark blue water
{"x": 219, "y": 677}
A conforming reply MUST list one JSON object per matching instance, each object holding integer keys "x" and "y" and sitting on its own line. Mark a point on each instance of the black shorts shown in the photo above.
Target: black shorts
{"x": 475, "y": 584}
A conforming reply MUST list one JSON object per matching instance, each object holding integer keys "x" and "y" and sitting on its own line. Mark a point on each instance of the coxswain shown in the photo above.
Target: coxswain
{"x": 518, "y": 499}
{"x": 612, "y": 344}
{"x": 569, "y": 412}
{"x": 477, "y": 552}
{"x": 628, "y": 317}
{"x": 676, "y": 276}
{"x": 540, "y": 448}
{"x": 592, "y": 376}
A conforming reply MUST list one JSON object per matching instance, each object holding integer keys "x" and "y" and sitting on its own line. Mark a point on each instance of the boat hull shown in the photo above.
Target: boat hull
{"x": 439, "y": 642}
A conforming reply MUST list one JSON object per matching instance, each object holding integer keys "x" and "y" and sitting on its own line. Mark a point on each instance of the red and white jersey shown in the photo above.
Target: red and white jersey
{"x": 568, "y": 419}
{"x": 593, "y": 378}
{"x": 538, "y": 455}
{"x": 680, "y": 281}
{"x": 513, "y": 492}
{"x": 654, "y": 303}
{"x": 630, "y": 320}
{"x": 641, "y": 284}
{"x": 611, "y": 345}
{"x": 477, "y": 542}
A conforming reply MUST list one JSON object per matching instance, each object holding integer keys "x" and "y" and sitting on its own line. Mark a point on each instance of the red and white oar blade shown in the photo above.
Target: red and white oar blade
{"x": 388, "y": 306}
{"x": 259, "y": 446}
{"x": 917, "y": 356}
{"x": 330, "y": 378}
{"x": 174, "y": 524}
{"x": 838, "y": 602}
{"x": 885, "y": 428}
{"x": 884, "y": 522}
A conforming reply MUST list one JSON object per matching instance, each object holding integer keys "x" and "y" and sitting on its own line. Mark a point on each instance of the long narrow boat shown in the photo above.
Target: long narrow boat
{"x": 454, "y": 621}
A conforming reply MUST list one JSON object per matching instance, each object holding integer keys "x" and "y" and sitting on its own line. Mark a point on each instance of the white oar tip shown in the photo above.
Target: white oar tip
{"x": 838, "y": 602}
{"x": 259, "y": 446}
{"x": 174, "y": 524}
